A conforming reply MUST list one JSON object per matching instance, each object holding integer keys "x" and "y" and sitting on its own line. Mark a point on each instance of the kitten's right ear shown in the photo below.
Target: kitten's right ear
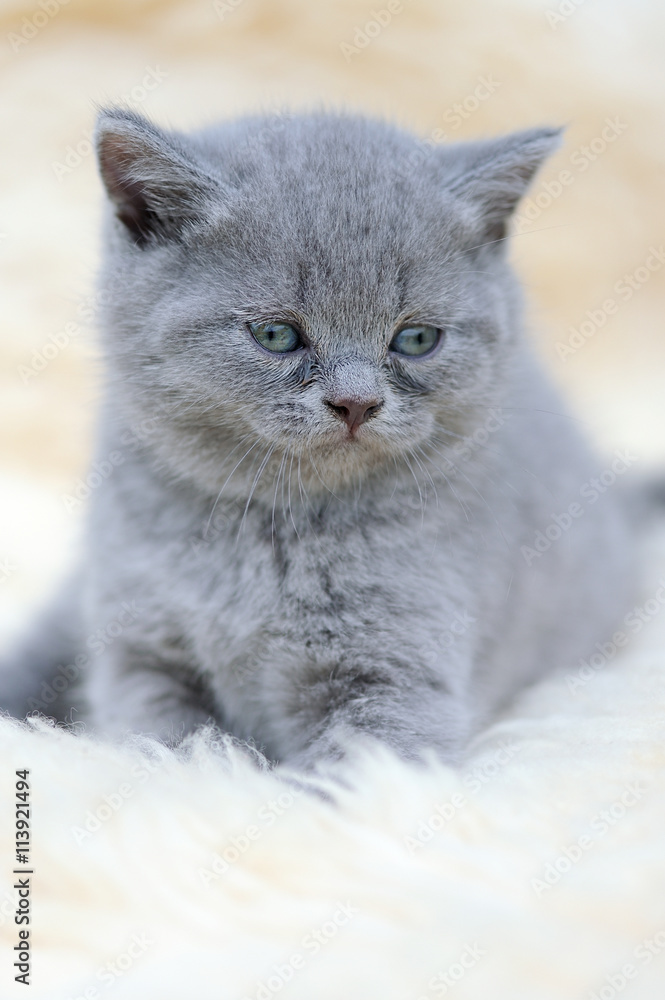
{"x": 155, "y": 186}
{"x": 491, "y": 176}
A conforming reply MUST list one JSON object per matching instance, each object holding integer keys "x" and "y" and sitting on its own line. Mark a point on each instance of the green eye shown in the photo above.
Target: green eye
{"x": 414, "y": 341}
{"x": 280, "y": 338}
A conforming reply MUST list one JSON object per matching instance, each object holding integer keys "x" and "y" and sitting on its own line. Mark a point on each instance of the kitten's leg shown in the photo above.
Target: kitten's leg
{"x": 130, "y": 690}
{"x": 412, "y": 715}
{"x": 40, "y": 672}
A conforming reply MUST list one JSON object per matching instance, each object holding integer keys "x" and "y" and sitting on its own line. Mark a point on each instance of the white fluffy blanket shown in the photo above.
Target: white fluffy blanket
{"x": 536, "y": 872}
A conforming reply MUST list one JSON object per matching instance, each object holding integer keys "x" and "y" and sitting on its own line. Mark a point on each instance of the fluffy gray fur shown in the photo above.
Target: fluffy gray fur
{"x": 251, "y": 560}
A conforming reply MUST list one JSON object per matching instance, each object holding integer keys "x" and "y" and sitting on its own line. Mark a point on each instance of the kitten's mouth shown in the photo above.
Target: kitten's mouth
{"x": 349, "y": 438}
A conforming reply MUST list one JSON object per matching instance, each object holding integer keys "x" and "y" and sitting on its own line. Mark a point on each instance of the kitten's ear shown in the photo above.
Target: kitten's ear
{"x": 492, "y": 176}
{"x": 155, "y": 186}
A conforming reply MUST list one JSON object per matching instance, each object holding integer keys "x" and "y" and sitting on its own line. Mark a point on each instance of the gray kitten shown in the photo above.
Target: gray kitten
{"x": 334, "y": 493}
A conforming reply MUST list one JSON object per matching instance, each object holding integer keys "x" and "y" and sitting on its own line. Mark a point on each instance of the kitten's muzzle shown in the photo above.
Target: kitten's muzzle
{"x": 354, "y": 412}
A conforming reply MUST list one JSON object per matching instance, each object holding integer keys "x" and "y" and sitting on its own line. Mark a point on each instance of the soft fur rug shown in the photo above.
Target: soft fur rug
{"x": 166, "y": 877}
{"x": 535, "y": 872}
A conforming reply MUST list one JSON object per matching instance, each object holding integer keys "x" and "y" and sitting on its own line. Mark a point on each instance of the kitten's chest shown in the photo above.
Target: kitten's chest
{"x": 302, "y": 583}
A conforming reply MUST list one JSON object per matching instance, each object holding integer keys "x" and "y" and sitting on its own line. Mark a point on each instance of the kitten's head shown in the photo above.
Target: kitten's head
{"x": 320, "y": 289}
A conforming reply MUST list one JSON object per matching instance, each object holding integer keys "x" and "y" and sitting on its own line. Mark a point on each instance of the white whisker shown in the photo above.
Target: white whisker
{"x": 227, "y": 481}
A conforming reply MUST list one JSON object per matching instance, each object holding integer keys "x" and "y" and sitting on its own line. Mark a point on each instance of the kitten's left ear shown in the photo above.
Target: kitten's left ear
{"x": 154, "y": 183}
{"x": 492, "y": 176}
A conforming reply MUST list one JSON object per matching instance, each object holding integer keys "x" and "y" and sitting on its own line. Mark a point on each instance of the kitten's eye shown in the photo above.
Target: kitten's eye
{"x": 280, "y": 338}
{"x": 415, "y": 341}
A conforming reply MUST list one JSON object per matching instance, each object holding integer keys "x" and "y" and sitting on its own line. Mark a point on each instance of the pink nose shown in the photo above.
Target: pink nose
{"x": 354, "y": 412}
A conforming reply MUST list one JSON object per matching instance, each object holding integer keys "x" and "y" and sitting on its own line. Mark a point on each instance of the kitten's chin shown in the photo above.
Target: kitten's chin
{"x": 345, "y": 460}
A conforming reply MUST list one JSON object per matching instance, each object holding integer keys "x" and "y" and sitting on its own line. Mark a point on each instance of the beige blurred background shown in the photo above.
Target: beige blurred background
{"x": 596, "y": 212}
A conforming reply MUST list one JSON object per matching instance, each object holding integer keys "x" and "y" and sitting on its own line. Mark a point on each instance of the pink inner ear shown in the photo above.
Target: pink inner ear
{"x": 128, "y": 195}
{"x": 115, "y": 162}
